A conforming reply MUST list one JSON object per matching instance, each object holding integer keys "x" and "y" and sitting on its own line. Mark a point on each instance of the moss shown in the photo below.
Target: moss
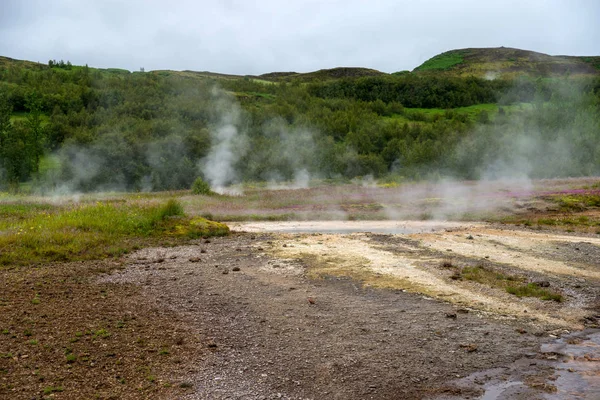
{"x": 199, "y": 227}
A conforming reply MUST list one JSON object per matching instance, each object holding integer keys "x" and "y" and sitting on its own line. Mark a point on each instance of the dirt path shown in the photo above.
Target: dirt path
{"x": 295, "y": 323}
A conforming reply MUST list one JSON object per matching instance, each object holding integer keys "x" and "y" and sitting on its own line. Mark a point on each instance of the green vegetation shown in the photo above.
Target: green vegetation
{"x": 533, "y": 290}
{"x": 53, "y": 389}
{"x": 442, "y": 61}
{"x": 102, "y": 333}
{"x": 201, "y": 187}
{"x": 34, "y": 233}
{"x": 508, "y": 63}
{"x": 486, "y": 276}
{"x": 511, "y": 284}
{"x": 577, "y": 202}
{"x": 66, "y": 128}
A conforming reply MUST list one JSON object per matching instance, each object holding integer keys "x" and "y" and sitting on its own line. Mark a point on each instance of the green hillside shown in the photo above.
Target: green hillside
{"x": 68, "y": 127}
{"x": 323, "y": 74}
{"x": 508, "y": 63}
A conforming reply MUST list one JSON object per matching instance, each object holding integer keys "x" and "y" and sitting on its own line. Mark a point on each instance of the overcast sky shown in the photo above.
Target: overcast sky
{"x": 254, "y": 37}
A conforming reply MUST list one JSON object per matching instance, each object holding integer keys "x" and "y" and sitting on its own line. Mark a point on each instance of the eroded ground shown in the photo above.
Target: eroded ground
{"x": 265, "y": 314}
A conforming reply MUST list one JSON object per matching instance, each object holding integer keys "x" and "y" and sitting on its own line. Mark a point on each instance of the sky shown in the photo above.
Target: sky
{"x": 255, "y": 37}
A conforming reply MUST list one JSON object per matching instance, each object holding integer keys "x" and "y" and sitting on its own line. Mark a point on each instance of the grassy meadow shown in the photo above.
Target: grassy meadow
{"x": 37, "y": 229}
{"x": 34, "y": 230}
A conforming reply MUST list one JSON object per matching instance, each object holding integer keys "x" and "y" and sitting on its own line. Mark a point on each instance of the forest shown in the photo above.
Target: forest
{"x": 77, "y": 128}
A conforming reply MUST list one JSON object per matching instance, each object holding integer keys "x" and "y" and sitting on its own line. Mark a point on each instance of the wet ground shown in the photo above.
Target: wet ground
{"x": 565, "y": 368}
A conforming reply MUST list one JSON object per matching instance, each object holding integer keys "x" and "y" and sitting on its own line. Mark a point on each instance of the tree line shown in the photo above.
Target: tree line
{"x": 98, "y": 129}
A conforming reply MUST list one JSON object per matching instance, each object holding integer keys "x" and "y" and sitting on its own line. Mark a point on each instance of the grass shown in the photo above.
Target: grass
{"x": 22, "y": 117}
{"x": 486, "y": 276}
{"x": 577, "y": 202}
{"x": 442, "y": 61}
{"x": 510, "y": 283}
{"x": 424, "y": 116}
{"x": 53, "y": 389}
{"x": 533, "y": 290}
{"x": 35, "y": 233}
{"x": 102, "y": 333}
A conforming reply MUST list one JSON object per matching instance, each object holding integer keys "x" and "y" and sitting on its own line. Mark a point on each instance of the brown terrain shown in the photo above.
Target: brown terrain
{"x": 292, "y": 311}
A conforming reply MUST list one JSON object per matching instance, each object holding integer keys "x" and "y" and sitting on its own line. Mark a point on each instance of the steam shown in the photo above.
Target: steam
{"x": 228, "y": 144}
{"x": 291, "y": 164}
{"x": 501, "y": 157}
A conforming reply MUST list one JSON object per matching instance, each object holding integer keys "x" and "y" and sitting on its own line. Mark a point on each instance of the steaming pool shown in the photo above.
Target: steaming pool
{"x": 346, "y": 227}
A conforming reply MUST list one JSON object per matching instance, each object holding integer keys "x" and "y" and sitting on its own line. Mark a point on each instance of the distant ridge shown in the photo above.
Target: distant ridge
{"x": 508, "y": 62}
{"x": 488, "y": 63}
{"x": 323, "y": 74}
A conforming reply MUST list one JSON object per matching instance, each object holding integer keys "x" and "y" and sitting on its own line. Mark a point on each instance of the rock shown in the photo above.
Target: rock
{"x": 542, "y": 283}
{"x": 462, "y": 311}
{"x": 310, "y": 300}
{"x": 470, "y": 347}
{"x": 470, "y": 237}
{"x": 456, "y": 276}
{"x": 202, "y": 251}
{"x": 235, "y": 269}
{"x": 207, "y": 241}
{"x": 225, "y": 272}
{"x": 451, "y": 315}
{"x": 195, "y": 259}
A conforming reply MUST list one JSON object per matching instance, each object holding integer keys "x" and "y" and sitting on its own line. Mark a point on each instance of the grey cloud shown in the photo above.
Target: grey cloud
{"x": 253, "y": 37}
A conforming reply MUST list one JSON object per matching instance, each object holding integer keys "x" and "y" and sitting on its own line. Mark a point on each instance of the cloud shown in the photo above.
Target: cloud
{"x": 256, "y": 37}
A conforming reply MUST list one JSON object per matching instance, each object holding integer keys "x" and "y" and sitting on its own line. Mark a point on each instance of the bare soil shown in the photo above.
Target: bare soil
{"x": 260, "y": 315}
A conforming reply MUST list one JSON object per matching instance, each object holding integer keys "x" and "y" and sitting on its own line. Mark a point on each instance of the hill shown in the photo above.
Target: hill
{"x": 82, "y": 128}
{"x": 507, "y": 62}
{"x": 323, "y": 74}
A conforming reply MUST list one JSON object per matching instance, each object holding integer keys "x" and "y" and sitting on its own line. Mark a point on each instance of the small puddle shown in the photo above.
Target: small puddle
{"x": 579, "y": 371}
{"x": 347, "y": 227}
{"x": 494, "y": 392}
{"x": 574, "y": 360}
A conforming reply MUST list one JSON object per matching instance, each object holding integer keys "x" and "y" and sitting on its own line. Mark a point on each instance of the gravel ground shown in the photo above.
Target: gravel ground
{"x": 245, "y": 317}
{"x": 270, "y": 332}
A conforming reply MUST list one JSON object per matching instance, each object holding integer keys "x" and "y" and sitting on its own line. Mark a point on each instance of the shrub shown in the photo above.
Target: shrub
{"x": 201, "y": 187}
{"x": 171, "y": 209}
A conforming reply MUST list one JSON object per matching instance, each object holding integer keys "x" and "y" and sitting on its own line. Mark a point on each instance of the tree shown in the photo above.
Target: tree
{"x": 35, "y": 135}
{"x": 21, "y": 144}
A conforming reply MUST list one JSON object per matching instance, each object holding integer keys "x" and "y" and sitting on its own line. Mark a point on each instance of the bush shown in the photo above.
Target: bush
{"x": 171, "y": 209}
{"x": 201, "y": 187}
